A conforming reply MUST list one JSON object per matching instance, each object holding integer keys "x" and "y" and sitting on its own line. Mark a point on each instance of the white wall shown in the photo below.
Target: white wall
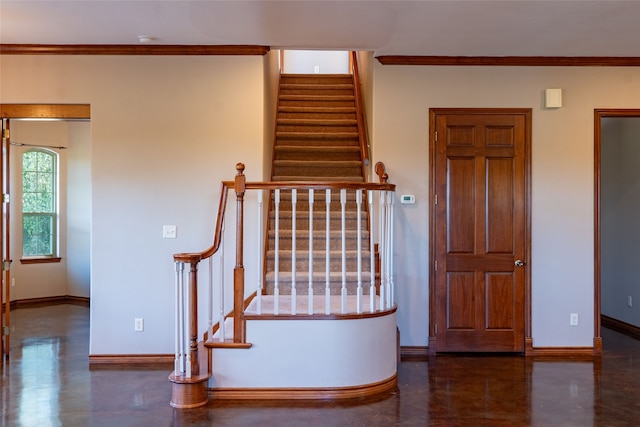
{"x": 306, "y": 61}
{"x": 160, "y": 124}
{"x": 165, "y": 131}
{"x": 620, "y": 210}
{"x": 562, "y": 179}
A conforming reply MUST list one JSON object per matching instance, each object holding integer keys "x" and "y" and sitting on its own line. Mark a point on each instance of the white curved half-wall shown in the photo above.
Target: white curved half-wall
{"x": 309, "y": 354}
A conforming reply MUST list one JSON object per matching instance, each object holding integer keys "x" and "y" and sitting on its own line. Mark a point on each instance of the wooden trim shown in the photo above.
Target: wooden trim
{"x": 47, "y": 301}
{"x": 563, "y": 352}
{"x": 320, "y": 393}
{"x": 227, "y": 344}
{"x": 621, "y": 326}
{"x": 43, "y": 260}
{"x": 350, "y": 316}
{"x": 126, "y": 49}
{"x": 511, "y": 61}
{"x": 597, "y": 155}
{"x": 414, "y": 353}
{"x": 46, "y": 111}
{"x": 131, "y": 359}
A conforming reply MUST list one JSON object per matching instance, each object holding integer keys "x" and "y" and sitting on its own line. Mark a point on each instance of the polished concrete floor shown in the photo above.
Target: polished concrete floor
{"x": 47, "y": 382}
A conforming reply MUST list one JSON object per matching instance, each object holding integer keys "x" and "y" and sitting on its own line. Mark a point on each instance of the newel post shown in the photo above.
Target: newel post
{"x": 239, "y": 333}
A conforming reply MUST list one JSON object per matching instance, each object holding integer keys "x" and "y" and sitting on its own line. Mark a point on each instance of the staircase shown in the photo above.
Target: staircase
{"x": 317, "y": 139}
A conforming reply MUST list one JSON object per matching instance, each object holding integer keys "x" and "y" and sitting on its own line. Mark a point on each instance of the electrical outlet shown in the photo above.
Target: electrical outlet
{"x": 138, "y": 324}
{"x": 629, "y": 301}
{"x": 573, "y": 320}
{"x": 169, "y": 231}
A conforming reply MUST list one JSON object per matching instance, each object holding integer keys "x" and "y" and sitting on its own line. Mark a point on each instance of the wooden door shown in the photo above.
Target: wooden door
{"x": 480, "y": 244}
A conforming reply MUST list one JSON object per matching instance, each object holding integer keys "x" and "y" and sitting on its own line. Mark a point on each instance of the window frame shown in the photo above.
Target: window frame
{"x": 54, "y": 214}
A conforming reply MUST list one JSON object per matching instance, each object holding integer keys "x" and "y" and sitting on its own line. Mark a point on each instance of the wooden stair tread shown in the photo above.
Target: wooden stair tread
{"x": 298, "y": 97}
{"x": 318, "y": 122}
{"x": 350, "y": 179}
{"x": 294, "y": 109}
{"x": 314, "y": 135}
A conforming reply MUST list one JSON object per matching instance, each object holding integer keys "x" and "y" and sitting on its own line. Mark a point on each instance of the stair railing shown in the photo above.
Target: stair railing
{"x": 360, "y": 116}
{"x": 381, "y": 295}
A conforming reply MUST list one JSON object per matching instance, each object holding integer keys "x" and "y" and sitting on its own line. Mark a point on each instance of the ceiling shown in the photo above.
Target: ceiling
{"x": 428, "y": 27}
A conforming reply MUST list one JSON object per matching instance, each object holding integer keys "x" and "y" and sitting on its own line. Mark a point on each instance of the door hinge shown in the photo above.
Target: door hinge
{"x": 435, "y": 136}
{"x": 6, "y": 198}
{"x": 6, "y": 265}
{"x": 435, "y": 199}
{"x": 5, "y": 330}
{"x": 435, "y": 265}
{"x": 435, "y": 327}
{"x": 5, "y": 133}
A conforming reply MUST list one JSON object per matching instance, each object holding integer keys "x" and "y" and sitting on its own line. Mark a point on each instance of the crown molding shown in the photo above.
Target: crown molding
{"x": 522, "y": 61}
{"x": 119, "y": 49}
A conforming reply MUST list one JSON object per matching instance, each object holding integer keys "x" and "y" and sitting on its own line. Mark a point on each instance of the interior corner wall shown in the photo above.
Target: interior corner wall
{"x": 562, "y": 179}
{"x": 619, "y": 213}
{"x": 165, "y": 131}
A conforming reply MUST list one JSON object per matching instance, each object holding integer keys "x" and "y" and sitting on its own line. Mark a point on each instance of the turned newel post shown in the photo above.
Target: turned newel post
{"x": 381, "y": 171}
{"x": 239, "y": 333}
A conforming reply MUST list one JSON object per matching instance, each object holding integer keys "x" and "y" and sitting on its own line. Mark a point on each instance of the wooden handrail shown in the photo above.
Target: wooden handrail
{"x": 362, "y": 124}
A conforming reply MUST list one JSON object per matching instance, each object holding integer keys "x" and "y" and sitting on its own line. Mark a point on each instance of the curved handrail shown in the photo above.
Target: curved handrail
{"x": 217, "y": 235}
{"x": 362, "y": 125}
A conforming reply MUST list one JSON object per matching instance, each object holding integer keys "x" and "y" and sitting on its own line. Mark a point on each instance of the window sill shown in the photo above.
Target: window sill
{"x": 39, "y": 260}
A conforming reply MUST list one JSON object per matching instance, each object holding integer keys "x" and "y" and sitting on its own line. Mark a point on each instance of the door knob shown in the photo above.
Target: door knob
{"x": 519, "y": 263}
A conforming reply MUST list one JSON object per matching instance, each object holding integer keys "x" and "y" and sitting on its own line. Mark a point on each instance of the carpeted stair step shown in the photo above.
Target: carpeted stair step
{"x": 317, "y": 125}
{"x": 293, "y": 112}
{"x": 318, "y": 283}
{"x": 319, "y": 239}
{"x": 319, "y": 260}
{"x": 323, "y": 152}
{"x": 318, "y": 168}
{"x": 316, "y": 89}
{"x": 319, "y": 219}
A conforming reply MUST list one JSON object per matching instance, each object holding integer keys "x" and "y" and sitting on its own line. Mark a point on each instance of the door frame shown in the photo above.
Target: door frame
{"x": 599, "y": 114}
{"x": 27, "y": 111}
{"x": 433, "y": 113}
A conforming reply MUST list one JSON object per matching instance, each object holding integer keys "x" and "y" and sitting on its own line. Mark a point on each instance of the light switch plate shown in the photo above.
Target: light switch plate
{"x": 169, "y": 231}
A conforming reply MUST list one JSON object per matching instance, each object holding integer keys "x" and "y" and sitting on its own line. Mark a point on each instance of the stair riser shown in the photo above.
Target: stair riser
{"x": 316, "y": 79}
{"x": 314, "y": 91}
{"x": 319, "y": 155}
{"x": 319, "y": 225}
{"x": 317, "y": 116}
{"x": 316, "y": 103}
{"x": 319, "y": 266}
{"x": 319, "y": 243}
{"x": 302, "y": 287}
{"x": 315, "y": 128}
{"x": 313, "y": 171}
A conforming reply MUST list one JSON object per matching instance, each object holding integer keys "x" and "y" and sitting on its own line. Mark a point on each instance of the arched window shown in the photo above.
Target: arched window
{"x": 39, "y": 203}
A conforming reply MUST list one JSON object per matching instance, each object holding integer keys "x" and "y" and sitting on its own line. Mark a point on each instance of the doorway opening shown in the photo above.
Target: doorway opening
{"x": 617, "y": 206}
{"x": 62, "y": 273}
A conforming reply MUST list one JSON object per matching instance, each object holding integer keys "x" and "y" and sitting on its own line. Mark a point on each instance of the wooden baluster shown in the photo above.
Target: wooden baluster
{"x": 239, "y": 333}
